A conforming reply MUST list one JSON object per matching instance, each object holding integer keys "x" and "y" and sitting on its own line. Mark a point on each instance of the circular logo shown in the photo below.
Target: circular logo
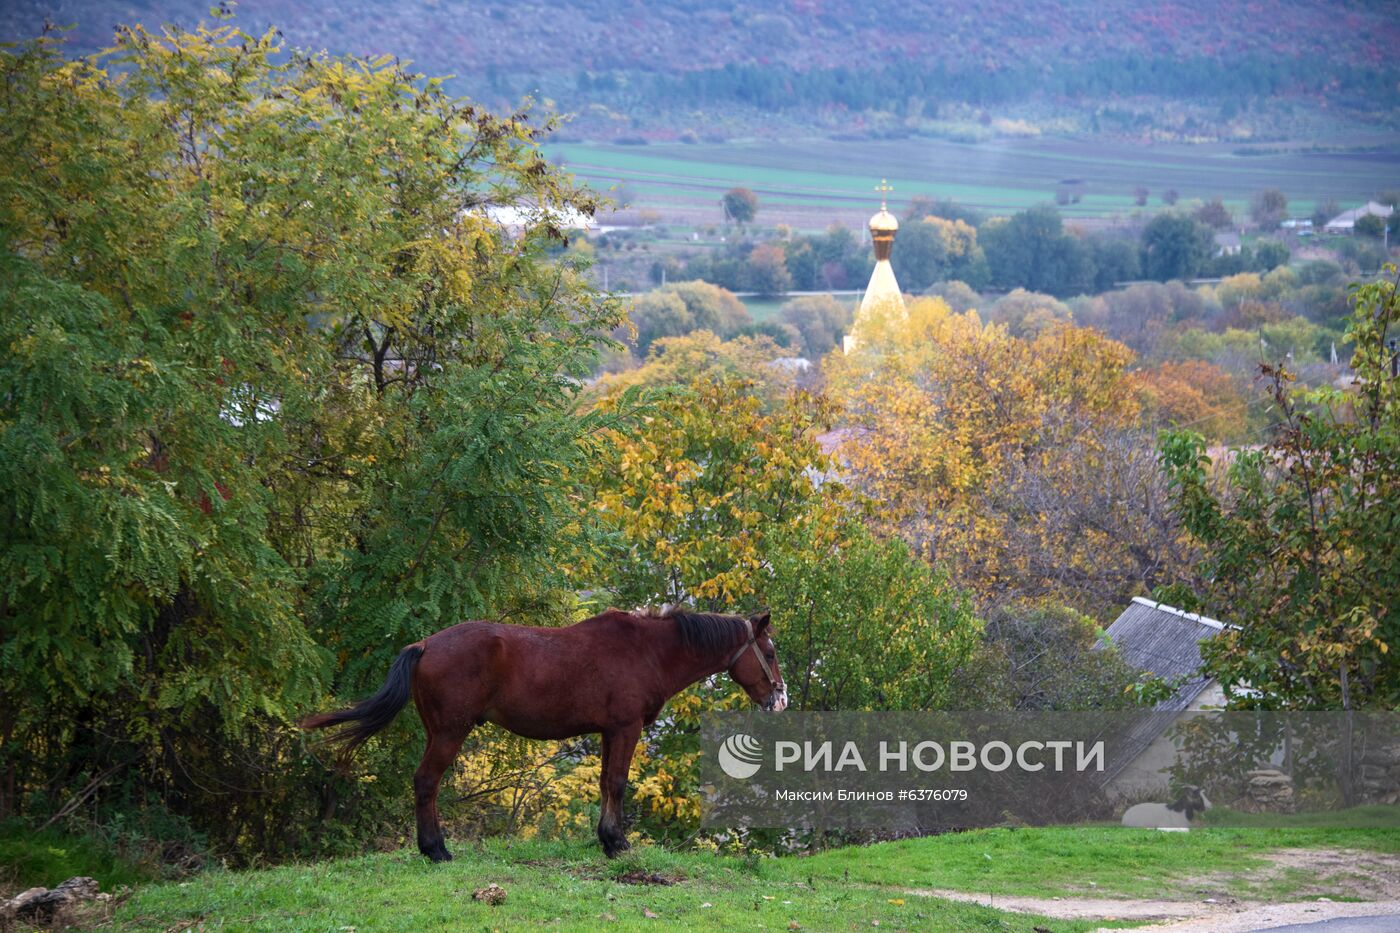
{"x": 741, "y": 756}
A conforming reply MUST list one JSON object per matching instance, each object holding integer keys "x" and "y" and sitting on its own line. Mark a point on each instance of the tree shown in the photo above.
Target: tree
{"x": 1324, "y": 212}
{"x": 1031, "y": 250}
{"x": 1116, "y": 260}
{"x": 1215, "y": 214}
{"x": 820, "y": 319}
{"x": 659, "y": 314}
{"x": 276, "y": 400}
{"x": 1301, "y": 557}
{"x": 679, "y": 361}
{"x": 1140, "y": 196}
{"x": 1144, "y": 314}
{"x": 1040, "y": 656}
{"x": 933, "y": 249}
{"x": 1196, "y": 394}
{"x": 1371, "y": 225}
{"x": 1017, "y": 463}
{"x": 739, "y": 205}
{"x": 1269, "y": 255}
{"x": 921, "y": 206}
{"x": 682, "y": 307}
{"x": 920, "y": 254}
{"x": 1026, "y": 314}
{"x": 766, "y": 270}
{"x": 1268, "y": 208}
{"x": 1170, "y": 197}
{"x": 1175, "y": 246}
{"x": 713, "y": 504}
{"x": 959, "y": 296}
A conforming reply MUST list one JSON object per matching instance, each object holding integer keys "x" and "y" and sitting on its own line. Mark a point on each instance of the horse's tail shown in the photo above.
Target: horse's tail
{"x": 372, "y": 713}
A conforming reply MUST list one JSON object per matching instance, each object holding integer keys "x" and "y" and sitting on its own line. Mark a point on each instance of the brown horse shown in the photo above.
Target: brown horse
{"x": 610, "y": 674}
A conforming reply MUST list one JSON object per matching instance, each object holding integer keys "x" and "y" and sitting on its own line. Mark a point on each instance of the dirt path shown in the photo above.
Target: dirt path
{"x": 1077, "y": 908}
{"x": 1235, "y": 902}
{"x": 1248, "y": 918}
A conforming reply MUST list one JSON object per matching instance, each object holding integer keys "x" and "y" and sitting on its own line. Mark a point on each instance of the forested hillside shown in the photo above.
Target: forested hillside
{"x": 637, "y": 68}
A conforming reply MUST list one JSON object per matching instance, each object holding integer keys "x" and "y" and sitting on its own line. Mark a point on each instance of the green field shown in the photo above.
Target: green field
{"x": 568, "y": 885}
{"x": 810, "y": 183}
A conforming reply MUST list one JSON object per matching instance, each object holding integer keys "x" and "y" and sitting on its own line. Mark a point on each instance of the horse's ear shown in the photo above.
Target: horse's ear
{"x": 760, "y": 621}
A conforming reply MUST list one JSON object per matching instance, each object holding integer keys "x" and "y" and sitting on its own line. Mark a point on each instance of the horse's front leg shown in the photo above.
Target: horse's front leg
{"x": 618, "y": 747}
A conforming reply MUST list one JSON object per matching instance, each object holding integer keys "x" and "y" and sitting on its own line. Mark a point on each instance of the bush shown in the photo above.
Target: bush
{"x": 43, "y": 858}
{"x": 292, "y": 384}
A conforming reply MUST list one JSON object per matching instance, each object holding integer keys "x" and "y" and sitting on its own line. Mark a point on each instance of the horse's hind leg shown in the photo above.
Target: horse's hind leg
{"x": 443, "y": 746}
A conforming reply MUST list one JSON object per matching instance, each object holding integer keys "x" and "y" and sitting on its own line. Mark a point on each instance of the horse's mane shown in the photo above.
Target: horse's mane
{"x": 705, "y": 631}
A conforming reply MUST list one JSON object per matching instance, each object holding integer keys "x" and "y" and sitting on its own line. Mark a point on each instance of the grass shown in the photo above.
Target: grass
{"x": 763, "y": 309}
{"x": 1060, "y": 861}
{"x": 569, "y": 886}
{"x": 565, "y": 886}
{"x": 812, "y": 181}
{"x": 29, "y": 859}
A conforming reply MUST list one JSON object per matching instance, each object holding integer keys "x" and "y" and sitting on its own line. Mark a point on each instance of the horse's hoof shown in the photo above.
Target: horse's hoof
{"x": 437, "y": 853}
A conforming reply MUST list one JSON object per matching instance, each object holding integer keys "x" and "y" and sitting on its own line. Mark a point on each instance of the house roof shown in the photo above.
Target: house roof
{"x": 1227, "y": 239}
{"x": 1165, "y": 641}
{"x": 1349, "y": 218}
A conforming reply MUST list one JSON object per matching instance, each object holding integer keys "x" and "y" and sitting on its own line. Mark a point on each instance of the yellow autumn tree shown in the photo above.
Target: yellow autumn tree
{"x": 1021, "y": 464}
{"x": 722, "y": 501}
{"x": 676, "y": 361}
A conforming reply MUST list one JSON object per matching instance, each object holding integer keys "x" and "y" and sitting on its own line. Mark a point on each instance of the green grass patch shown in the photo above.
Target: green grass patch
{"x": 1371, "y": 818}
{"x": 826, "y": 176}
{"x": 1063, "y": 861}
{"x": 763, "y": 309}
{"x": 569, "y": 885}
{"x": 562, "y": 885}
{"x": 31, "y": 859}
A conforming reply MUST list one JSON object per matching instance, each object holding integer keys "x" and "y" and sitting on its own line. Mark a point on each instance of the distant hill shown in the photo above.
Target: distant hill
{"x": 661, "y": 67}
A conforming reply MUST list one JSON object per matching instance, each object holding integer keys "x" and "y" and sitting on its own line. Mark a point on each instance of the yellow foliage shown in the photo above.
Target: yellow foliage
{"x": 964, "y": 434}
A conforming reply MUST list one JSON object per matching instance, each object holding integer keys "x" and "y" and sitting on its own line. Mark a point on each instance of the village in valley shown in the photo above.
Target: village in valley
{"x": 449, "y": 450}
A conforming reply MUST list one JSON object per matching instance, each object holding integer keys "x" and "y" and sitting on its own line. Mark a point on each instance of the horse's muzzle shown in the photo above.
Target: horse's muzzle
{"x": 777, "y": 701}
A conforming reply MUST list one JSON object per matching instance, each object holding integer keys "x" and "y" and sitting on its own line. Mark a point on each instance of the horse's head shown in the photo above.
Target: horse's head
{"x": 755, "y": 667}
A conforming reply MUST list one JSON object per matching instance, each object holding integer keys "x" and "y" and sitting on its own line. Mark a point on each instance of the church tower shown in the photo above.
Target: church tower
{"x": 882, "y": 290}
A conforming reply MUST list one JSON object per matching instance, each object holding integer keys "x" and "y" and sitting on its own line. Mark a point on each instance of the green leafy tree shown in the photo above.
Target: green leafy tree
{"x": 1302, "y": 556}
{"x": 1269, "y": 255}
{"x": 1043, "y": 656}
{"x": 1115, "y": 260}
{"x": 276, "y": 399}
{"x": 1031, "y": 250}
{"x": 683, "y": 307}
{"x": 1174, "y": 246}
{"x": 1371, "y": 225}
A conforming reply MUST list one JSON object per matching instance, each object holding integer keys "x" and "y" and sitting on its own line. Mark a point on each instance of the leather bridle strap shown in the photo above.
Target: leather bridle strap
{"x": 762, "y": 661}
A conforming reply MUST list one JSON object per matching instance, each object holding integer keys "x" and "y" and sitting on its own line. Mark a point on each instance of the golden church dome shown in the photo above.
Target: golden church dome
{"x": 883, "y": 222}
